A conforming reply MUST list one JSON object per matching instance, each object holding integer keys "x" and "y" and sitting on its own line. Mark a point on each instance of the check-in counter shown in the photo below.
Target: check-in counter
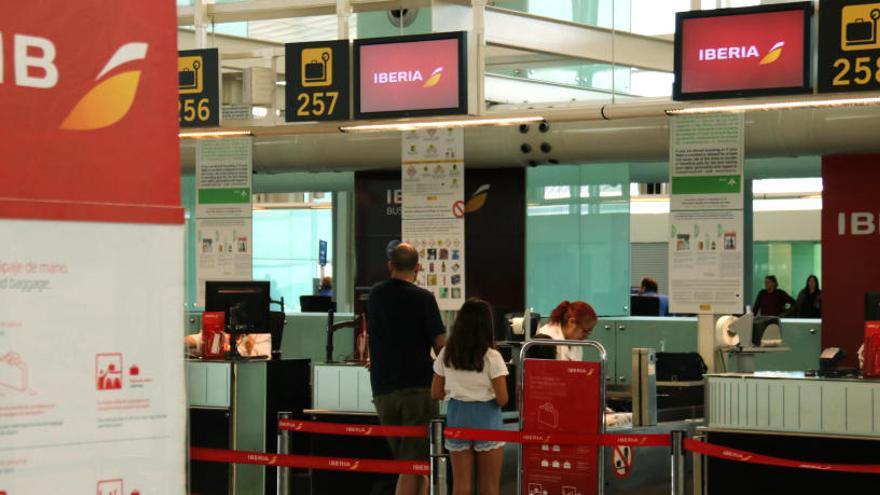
{"x": 792, "y": 416}
{"x": 234, "y": 405}
{"x": 619, "y": 335}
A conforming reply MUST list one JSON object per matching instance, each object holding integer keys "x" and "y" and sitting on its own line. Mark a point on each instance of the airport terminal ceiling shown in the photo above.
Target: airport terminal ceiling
{"x": 598, "y": 71}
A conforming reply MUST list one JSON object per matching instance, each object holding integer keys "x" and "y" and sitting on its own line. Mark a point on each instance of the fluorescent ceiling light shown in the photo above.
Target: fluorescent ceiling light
{"x": 777, "y": 105}
{"x": 793, "y": 204}
{"x": 805, "y": 185}
{"x": 212, "y": 134}
{"x": 440, "y": 124}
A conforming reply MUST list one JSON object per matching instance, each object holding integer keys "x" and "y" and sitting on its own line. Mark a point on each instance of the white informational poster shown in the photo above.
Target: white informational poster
{"x": 432, "y": 220}
{"x": 706, "y": 258}
{"x": 706, "y": 162}
{"x": 90, "y": 396}
{"x": 224, "y": 211}
{"x": 224, "y": 168}
{"x": 706, "y": 220}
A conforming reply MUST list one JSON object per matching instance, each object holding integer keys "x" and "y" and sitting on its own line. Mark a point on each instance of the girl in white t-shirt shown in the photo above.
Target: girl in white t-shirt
{"x": 471, "y": 375}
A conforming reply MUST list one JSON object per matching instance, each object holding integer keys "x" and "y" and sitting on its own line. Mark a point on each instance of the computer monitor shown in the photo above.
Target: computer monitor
{"x": 245, "y": 303}
{"x": 316, "y": 304}
{"x": 644, "y": 305}
{"x": 872, "y": 306}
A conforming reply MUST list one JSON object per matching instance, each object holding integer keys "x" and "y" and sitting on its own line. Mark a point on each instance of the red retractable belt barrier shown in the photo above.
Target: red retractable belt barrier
{"x": 353, "y": 430}
{"x": 310, "y": 462}
{"x": 650, "y": 440}
{"x": 646, "y": 440}
{"x": 752, "y": 458}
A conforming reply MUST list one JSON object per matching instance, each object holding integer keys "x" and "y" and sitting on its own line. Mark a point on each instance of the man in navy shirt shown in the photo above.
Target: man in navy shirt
{"x": 650, "y": 288}
{"x": 404, "y": 324}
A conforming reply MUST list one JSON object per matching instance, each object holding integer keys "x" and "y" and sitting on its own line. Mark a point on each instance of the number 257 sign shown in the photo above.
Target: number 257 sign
{"x": 317, "y": 81}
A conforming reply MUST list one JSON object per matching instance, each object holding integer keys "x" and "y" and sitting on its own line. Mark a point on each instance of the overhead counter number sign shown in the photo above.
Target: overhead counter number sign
{"x": 849, "y": 46}
{"x": 317, "y": 77}
{"x": 198, "y": 83}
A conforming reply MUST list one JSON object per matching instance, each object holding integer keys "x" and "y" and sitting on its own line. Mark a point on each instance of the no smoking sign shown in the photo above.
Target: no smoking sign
{"x": 458, "y": 209}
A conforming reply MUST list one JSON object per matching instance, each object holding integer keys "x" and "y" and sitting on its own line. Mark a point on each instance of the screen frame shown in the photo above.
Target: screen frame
{"x": 212, "y": 294}
{"x": 461, "y": 108}
{"x": 807, "y": 82}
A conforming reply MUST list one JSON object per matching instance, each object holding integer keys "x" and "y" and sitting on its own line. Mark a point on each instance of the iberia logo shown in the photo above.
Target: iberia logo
{"x": 477, "y": 199}
{"x": 434, "y": 79}
{"x": 111, "y": 98}
{"x": 408, "y": 76}
{"x": 741, "y": 52}
{"x": 774, "y": 53}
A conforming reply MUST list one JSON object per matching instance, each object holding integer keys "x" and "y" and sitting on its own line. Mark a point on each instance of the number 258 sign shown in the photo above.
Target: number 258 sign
{"x": 317, "y": 81}
{"x": 849, "y": 45}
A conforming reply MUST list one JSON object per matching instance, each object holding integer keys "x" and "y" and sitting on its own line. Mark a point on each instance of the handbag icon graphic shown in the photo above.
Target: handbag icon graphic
{"x": 317, "y": 67}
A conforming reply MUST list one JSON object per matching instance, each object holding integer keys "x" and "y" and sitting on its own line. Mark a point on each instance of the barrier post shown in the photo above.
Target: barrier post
{"x": 678, "y": 462}
{"x": 282, "y": 479}
{"x": 439, "y": 459}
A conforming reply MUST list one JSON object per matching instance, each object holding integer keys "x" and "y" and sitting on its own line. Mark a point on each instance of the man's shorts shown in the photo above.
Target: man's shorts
{"x": 407, "y": 407}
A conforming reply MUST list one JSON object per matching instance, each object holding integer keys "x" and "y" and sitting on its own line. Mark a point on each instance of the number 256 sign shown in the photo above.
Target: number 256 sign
{"x": 198, "y": 87}
{"x": 317, "y": 81}
{"x": 849, "y": 45}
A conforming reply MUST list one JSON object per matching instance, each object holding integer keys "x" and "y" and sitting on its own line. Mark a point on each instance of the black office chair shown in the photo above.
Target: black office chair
{"x": 277, "y": 319}
{"x": 644, "y": 306}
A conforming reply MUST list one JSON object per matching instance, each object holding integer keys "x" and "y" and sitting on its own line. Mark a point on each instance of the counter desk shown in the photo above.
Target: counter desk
{"x": 234, "y": 405}
{"x": 792, "y": 416}
{"x": 342, "y": 394}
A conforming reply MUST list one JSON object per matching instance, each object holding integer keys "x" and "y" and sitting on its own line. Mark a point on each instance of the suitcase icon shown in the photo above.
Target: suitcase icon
{"x": 859, "y": 27}
{"x": 190, "y": 74}
{"x": 861, "y": 32}
{"x": 317, "y": 67}
{"x": 186, "y": 78}
{"x": 316, "y": 71}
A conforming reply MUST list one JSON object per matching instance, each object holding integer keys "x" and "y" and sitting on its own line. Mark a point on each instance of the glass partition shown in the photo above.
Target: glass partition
{"x": 790, "y": 262}
{"x": 577, "y": 237}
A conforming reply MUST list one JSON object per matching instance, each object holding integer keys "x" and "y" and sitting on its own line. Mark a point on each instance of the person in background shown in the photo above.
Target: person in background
{"x": 772, "y": 301}
{"x": 404, "y": 323}
{"x": 650, "y": 288}
{"x": 326, "y": 287}
{"x": 471, "y": 374}
{"x": 568, "y": 321}
{"x": 809, "y": 301}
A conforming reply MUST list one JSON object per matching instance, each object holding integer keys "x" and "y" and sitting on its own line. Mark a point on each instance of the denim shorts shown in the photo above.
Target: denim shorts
{"x": 476, "y": 415}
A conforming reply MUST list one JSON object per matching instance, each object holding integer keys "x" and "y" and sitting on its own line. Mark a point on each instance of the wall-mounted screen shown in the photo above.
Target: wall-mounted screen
{"x": 410, "y": 76}
{"x": 752, "y": 51}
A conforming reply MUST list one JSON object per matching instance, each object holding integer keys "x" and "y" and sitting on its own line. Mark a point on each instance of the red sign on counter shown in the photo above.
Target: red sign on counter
{"x": 410, "y": 76}
{"x": 561, "y": 397}
{"x": 742, "y": 52}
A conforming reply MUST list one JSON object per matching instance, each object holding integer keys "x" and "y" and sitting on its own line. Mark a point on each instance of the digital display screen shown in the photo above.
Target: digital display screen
{"x": 743, "y": 52}
{"x": 410, "y": 76}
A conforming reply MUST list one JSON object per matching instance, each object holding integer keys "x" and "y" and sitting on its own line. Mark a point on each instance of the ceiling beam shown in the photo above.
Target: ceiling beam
{"x": 526, "y": 32}
{"x": 256, "y": 10}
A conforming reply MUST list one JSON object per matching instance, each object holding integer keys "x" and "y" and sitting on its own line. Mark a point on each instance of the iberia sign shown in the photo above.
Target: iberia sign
{"x": 732, "y": 52}
{"x": 410, "y": 76}
{"x": 90, "y": 114}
